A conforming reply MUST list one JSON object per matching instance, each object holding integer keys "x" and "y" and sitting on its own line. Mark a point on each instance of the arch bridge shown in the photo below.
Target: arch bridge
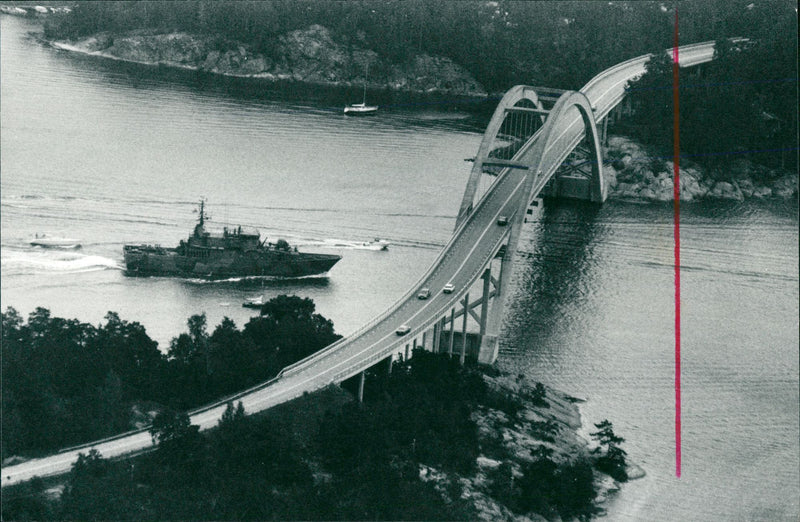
{"x": 532, "y": 132}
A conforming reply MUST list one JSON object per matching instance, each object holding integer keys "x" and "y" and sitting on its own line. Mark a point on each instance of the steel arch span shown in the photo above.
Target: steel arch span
{"x": 510, "y": 99}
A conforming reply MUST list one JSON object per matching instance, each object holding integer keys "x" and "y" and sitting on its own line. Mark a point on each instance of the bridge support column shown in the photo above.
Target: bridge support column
{"x": 498, "y": 287}
{"x": 414, "y": 346}
{"x": 452, "y": 328}
{"x": 487, "y": 354}
{"x": 389, "y": 362}
{"x": 437, "y": 332}
{"x": 487, "y": 280}
{"x": 441, "y": 331}
{"x": 464, "y": 331}
{"x": 424, "y": 336}
{"x": 361, "y": 387}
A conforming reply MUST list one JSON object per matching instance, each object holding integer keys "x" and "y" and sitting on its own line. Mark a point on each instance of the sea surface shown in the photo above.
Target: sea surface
{"x": 111, "y": 153}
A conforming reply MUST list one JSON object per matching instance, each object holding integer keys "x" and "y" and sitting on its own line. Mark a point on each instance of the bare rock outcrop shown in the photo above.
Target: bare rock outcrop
{"x": 633, "y": 173}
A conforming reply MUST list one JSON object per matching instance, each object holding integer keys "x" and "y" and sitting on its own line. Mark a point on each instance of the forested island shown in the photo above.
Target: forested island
{"x": 739, "y": 122}
{"x": 434, "y": 440}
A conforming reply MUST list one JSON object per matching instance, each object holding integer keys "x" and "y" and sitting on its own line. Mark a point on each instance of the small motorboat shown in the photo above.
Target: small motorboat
{"x": 254, "y": 302}
{"x": 378, "y": 244}
{"x": 46, "y": 241}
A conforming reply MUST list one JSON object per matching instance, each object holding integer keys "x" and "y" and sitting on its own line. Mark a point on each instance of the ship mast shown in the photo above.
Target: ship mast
{"x": 199, "y": 231}
{"x": 202, "y": 211}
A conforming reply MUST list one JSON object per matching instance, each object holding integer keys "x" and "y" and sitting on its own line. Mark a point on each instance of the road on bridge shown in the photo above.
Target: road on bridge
{"x": 461, "y": 263}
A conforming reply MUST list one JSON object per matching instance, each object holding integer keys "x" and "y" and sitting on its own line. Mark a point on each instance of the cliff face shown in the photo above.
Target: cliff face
{"x": 310, "y": 55}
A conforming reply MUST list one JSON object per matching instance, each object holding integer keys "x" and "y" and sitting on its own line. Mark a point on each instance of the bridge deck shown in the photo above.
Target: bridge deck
{"x": 460, "y": 262}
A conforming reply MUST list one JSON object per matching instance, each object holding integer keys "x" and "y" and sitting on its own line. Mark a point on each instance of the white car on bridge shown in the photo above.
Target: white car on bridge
{"x": 403, "y": 330}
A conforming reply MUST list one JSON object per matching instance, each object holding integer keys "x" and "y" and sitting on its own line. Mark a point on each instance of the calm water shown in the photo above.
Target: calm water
{"x": 110, "y": 153}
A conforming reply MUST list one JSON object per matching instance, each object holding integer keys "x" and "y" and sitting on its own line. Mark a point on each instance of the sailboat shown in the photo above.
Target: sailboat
{"x": 362, "y": 109}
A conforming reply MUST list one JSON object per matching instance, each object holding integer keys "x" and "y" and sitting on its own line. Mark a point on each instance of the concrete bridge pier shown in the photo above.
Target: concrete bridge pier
{"x": 442, "y": 324}
{"x": 487, "y": 281}
{"x": 452, "y": 327}
{"x": 463, "y": 355}
{"x": 361, "y": 387}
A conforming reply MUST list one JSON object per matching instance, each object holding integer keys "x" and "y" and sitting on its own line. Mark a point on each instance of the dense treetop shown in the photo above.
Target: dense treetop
{"x": 67, "y": 382}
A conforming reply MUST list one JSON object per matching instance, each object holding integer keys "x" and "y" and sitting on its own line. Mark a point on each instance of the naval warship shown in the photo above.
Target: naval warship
{"x": 235, "y": 252}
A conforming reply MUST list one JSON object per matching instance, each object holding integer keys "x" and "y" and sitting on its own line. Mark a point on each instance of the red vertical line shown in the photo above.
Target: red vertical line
{"x": 676, "y": 193}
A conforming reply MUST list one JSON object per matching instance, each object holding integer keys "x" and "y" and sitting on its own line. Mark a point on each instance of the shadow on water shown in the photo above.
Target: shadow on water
{"x": 551, "y": 271}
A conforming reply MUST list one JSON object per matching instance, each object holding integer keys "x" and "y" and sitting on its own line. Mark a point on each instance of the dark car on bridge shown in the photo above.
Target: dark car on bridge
{"x": 502, "y": 221}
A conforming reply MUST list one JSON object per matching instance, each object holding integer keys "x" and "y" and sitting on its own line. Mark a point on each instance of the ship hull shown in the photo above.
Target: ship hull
{"x": 146, "y": 261}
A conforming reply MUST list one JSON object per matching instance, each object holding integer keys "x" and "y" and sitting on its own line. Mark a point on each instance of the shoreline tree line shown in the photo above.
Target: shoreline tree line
{"x": 66, "y": 382}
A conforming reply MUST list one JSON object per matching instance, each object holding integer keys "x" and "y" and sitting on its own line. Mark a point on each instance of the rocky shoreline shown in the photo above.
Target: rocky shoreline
{"x": 512, "y": 440}
{"x": 632, "y": 173}
{"x": 310, "y": 55}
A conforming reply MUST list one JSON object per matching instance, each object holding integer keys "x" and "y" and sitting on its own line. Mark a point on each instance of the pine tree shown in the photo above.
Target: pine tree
{"x": 611, "y": 457}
